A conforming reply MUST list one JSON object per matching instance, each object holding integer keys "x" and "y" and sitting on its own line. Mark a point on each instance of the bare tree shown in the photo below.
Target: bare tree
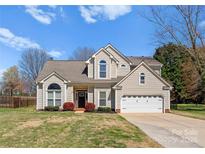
{"x": 82, "y": 53}
{"x": 180, "y": 25}
{"x": 1, "y": 87}
{"x": 31, "y": 63}
{"x": 11, "y": 80}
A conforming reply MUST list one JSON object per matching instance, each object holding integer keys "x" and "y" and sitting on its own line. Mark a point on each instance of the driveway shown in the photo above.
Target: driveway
{"x": 170, "y": 130}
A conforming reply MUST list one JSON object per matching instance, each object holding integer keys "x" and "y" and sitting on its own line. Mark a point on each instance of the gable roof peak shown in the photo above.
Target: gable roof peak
{"x": 147, "y": 66}
{"x": 117, "y": 51}
{"x": 102, "y": 49}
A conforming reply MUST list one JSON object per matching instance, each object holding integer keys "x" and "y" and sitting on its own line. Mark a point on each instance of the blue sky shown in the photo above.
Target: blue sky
{"x": 62, "y": 29}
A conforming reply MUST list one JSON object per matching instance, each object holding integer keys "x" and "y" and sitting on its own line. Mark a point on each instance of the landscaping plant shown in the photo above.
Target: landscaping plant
{"x": 68, "y": 106}
{"x": 51, "y": 108}
{"x": 89, "y": 107}
{"x": 104, "y": 109}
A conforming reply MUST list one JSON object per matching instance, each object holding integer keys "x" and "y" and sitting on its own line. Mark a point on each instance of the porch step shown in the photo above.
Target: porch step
{"x": 79, "y": 109}
{"x": 79, "y": 112}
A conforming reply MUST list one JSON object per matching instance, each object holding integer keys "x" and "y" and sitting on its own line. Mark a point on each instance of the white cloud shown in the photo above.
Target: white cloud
{"x": 17, "y": 42}
{"x": 55, "y": 53}
{"x": 87, "y": 14}
{"x": 40, "y": 15}
{"x": 108, "y": 12}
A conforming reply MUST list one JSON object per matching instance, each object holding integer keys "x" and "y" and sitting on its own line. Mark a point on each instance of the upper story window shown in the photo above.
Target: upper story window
{"x": 102, "y": 70}
{"x": 142, "y": 78}
{"x": 123, "y": 65}
{"x": 54, "y": 95}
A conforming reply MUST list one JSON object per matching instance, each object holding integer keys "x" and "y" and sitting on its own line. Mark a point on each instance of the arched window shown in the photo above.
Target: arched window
{"x": 54, "y": 86}
{"x": 142, "y": 78}
{"x": 54, "y": 95}
{"x": 102, "y": 70}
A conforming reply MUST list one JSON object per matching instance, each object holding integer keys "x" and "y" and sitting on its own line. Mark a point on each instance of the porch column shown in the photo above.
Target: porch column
{"x": 65, "y": 93}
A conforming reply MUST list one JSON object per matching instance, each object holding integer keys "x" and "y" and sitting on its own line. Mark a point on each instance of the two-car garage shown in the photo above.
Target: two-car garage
{"x": 141, "y": 104}
{"x": 147, "y": 93}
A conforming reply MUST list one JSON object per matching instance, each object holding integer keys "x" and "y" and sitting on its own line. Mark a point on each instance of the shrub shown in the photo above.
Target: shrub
{"x": 51, "y": 108}
{"x": 104, "y": 109}
{"x": 68, "y": 106}
{"x": 89, "y": 107}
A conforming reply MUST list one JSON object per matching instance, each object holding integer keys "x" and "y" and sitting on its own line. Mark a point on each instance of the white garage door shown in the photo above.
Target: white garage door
{"x": 143, "y": 104}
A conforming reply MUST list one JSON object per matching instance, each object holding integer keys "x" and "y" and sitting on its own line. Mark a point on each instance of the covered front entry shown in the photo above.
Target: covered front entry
{"x": 143, "y": 104}
{"x": 82, "y": 97}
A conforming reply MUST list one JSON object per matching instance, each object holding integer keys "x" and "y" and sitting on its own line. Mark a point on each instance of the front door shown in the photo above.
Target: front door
{"x": 81, "y": 99}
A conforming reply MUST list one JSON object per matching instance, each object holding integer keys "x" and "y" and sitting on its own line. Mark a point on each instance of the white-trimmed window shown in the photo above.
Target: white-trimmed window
{"x": 54, "y": 95}
{"x": 102, "y": 69}
{"x": 102, "y": 98}
{"x": 123, "y": 66}
{"x": 142, "y": 78}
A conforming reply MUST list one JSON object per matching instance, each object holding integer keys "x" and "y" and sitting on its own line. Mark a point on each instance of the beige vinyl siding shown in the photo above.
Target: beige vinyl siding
{"x": 69, "y": 94}
{"x": 96, "y": 96}
{"x": 53, "y": 79}
{"x": 113, "y": 69}
{"x": 152, "y": 86}
{"x": 118, "y": 95}
{"x": 90, "y": 94}
{"x": 39, "y": 103}
{"x": 120, "y": 71}
{"x": 102, "y": 56}
{"x": 166, "y": 94}
{"x": 90, "y": 69}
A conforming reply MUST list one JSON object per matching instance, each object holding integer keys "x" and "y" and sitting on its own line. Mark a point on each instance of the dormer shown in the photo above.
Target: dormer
{"x": 102, "y": 65}
{"x": 124, "y": 63}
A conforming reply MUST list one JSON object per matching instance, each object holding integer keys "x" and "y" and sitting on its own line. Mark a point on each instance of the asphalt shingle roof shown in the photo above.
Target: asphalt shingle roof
{"x": 148, "y": 60}
{"x": 76, "y": 71}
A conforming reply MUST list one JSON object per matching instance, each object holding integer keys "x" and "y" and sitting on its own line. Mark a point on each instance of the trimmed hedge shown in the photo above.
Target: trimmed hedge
{"x": 89, "y": 107}
{"x": 104, "y": 109}
{"x": 68, "y": 106}
{"x": 51, "y": 108}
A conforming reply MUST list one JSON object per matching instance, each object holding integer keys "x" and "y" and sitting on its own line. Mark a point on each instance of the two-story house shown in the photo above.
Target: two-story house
{"x": 107, "y": 79}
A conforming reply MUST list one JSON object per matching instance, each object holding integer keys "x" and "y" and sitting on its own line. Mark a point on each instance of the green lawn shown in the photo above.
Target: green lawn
{"x": 191, "y": 110}
{"x": 26, "y": 127}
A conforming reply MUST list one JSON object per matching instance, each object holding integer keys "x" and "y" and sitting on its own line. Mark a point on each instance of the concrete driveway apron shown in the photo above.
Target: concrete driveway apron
{"x": 170, "y": 130}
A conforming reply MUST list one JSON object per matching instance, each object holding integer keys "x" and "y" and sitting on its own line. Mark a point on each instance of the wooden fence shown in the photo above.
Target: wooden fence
{"x": 17, "y": 101}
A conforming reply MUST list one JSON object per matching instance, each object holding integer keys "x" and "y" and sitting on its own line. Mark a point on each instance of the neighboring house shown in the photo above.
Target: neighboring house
{"x": 107, "y": 79}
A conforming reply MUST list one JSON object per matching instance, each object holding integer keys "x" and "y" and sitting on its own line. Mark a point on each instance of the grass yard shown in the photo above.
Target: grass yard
{"x": 191, "y": 110}
{"x": 25, "y": 127}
